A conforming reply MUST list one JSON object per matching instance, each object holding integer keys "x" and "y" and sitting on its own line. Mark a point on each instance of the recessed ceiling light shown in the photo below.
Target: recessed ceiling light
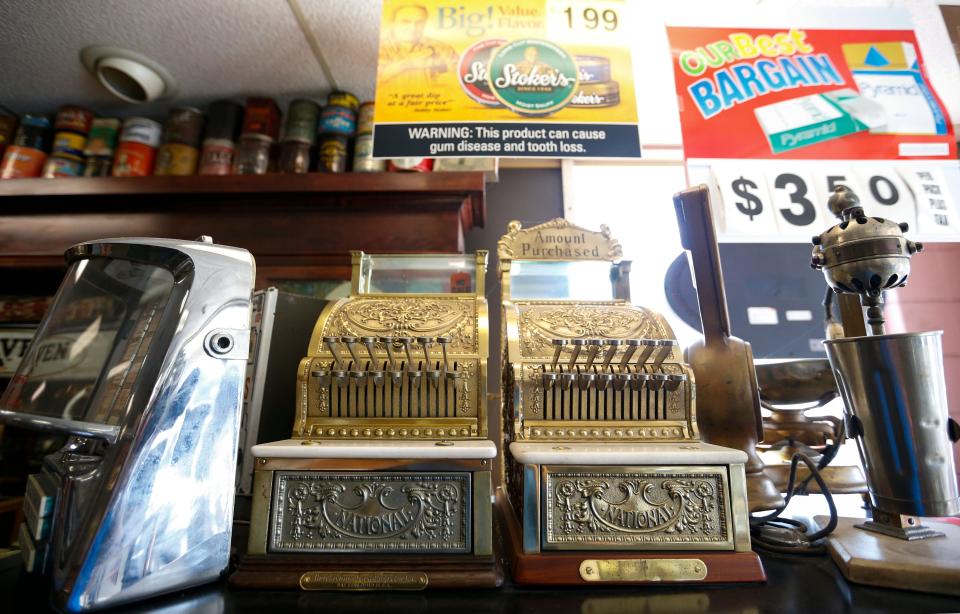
{"x": 128, "y": 75}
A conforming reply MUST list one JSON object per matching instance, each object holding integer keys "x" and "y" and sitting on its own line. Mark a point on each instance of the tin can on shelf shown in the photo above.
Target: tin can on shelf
{"x": 216, "y": 158}
{"x": 98, "y": 166}
{"x": 59, "y": 166}
{"x": 176, "y": 159}
{"x": 253, "y": 155}
{"x": 69, "y": 145}
{"x": 8, "y": 127}
{"x": 134, "y": 159}
{"x": 332, "y": 154}
{"x": 302, "y": 119}
{"x": 141, "y": 130}
{"x": 71, "y": 118}
{"x": 21, "y": 162}
{"x": 365, "y": 118}
{"x": 102, "y": 140}
{"x": 28, "y": 150}
{"x": 295, "y": 157}
{"x": 363, "y": 161}
{"x": 261, "y": 116}
{"x": 343, "y": 99}
{"x": 137, "y": 151}
{"x": 338, "y": 120}
{"x": 224, "y": 119}
{"x": 184, "y": 125}
{"x": 33, "y": 133}
{"x": 419, "y": 165}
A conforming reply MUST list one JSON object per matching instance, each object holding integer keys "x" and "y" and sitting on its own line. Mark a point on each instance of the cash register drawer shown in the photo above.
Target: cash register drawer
{"x": 382, "y": 512}
{"x": 635, "y": 507}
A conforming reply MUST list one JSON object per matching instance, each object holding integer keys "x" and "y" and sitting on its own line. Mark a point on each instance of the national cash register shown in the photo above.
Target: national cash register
{"x": 607, "y": 480}
{"x": 386, "y": 480}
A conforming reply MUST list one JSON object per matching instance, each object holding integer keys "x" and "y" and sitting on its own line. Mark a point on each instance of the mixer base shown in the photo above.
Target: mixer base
{"x": 927, "y": 565}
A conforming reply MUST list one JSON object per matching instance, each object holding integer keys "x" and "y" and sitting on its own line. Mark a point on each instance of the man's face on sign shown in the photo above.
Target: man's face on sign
{"x": 530, "y": 54}
{"x": 408, "y": 23}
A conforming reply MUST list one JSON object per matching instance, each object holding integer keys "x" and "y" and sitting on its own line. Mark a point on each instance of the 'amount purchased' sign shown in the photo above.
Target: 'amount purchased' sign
{"x": 789, "y": 200}
{"x": 537, "y": 78}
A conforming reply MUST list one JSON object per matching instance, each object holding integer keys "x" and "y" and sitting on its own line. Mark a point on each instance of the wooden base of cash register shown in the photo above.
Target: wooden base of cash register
{"x": 367, "y": 572}
{"x": 619, "y": 567}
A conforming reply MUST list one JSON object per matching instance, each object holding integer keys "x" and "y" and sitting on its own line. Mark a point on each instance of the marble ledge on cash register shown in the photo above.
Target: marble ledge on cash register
{"x": 572, "y": 453}
{"x": 316, "y": 448}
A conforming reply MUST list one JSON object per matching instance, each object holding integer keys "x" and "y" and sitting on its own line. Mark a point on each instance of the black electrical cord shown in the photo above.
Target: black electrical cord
{"x": 808, "y": 543}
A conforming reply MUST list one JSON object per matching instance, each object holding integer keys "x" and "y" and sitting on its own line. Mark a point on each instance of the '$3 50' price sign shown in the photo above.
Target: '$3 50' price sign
{"x": 783, "y": 200}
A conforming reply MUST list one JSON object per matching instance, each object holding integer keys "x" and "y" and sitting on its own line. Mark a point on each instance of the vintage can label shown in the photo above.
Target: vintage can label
{"x": 69, "y": 145}
{"x": 363, "y": 161}
{"x": 343, "y": 99}
{"x": 184, "y": 125}
{"x": 593, "y": 69}
{"x": 333, "y": 154}
{"x": 472, "y": 71}
{"x": 142, "y": 130}
{"x": 57, "y": 166}
{"x": 103, "y": 137}
{"x": 73, "y": 118}
{"x": 176, "y": 159}
{"x": 338, "y": 120}
{"x": 134, "y": 160}
{"x": 21, "y": 162}
{"x": 262, "y": 116}
{"x": 217, "y": 157}
{"x": 596, "y": 95}
{"x": 302, "y": 119}
{"x": 365, "y": 118}
{"x": 98, "y": 166}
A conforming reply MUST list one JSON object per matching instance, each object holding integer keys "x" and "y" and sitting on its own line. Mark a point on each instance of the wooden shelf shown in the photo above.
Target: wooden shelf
{"x": 299, "y": 226}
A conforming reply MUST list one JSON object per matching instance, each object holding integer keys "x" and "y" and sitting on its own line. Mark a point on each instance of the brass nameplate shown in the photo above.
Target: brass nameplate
{"x": 656, "y": 508}
{"x": 321, "y": 511}
{"x": 643, "y": 570}
{"x": 363, "y": 581}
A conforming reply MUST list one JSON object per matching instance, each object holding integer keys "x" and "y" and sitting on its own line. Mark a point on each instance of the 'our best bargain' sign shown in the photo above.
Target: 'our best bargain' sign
{"x": 806, "y": 94}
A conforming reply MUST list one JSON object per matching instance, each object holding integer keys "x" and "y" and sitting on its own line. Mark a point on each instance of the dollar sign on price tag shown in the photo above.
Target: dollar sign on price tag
{"x": 884, "y": 194}
{"x": 746, "y": 201}
{"x": 794, "y": 201}
{"x": 936, "y": 212}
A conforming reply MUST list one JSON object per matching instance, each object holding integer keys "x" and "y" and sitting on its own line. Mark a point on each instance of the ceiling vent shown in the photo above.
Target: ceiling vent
{"x": 128, "y": 75}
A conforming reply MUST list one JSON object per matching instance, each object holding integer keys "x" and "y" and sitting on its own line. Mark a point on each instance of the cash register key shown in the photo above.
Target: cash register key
{"x": 648, "y": 345}
{"x": 665, "y": 349}
{"x": 603, "y": 380}
{"x": 594, "y": 349}
{"x": 577, "y": 346}
{"x": 331, "y": 343}
{"x": 612, "y": 346}
{"x": 566, "y": 380}
{"x": 406, "y": 342}
{"x": 557, "y": 349}
{"x": 632, "y": 345}
{"x": 548, "y": 380}
{"x": 351, "y": 343}
{"x": 657, "y": 380}
{"x": 674, "y": 380}
{"x": 639, "y": 381}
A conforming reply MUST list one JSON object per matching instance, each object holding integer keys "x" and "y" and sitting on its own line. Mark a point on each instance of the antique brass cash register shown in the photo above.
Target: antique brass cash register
{"x": 607, "y": 480}
{"x": 386, "y": 481}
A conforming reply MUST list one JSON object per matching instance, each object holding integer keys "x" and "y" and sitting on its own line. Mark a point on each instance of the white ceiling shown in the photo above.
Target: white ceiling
{"x": 213, "y": 48}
